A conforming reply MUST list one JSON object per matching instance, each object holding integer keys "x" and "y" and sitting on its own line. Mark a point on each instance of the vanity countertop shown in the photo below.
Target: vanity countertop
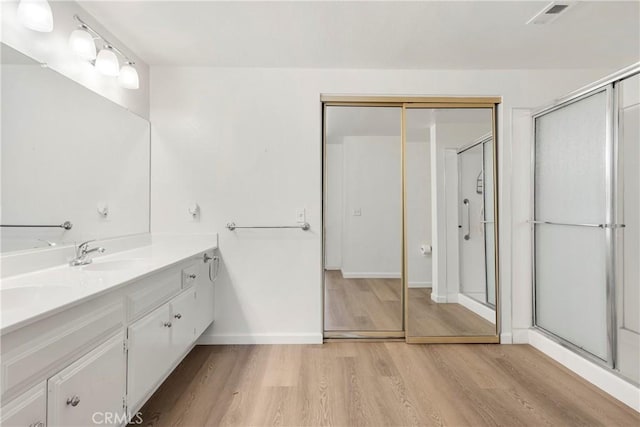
{"x": 29, "y": 297}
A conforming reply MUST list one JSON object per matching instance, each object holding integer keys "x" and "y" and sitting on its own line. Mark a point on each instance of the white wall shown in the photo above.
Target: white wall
{"x": 53, "y": 49}
{"x": 366, "y": 179}
{"x": 334, "y": 196}
{"x": 451, "y": 283}
{"x": 246, "y": 144}
{"x": 64, "y": 150}
{"x": 418, "y": 211}
{"x": 373, "y": 187}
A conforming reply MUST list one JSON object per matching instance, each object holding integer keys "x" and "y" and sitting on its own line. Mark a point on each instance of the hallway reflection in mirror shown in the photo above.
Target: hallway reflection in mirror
{"x": 363, "y": 214}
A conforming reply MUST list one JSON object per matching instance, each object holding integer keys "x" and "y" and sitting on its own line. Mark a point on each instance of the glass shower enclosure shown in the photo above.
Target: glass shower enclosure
{"x": 585, "y": 225}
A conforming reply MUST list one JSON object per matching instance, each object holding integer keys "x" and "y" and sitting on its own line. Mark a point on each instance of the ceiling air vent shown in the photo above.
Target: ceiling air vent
{"x": 550, "y": 13}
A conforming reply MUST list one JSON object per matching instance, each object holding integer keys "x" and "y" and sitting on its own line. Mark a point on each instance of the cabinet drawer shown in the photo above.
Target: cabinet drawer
{"x": 39, "y": 350}
{"x": 190, "y": 275}
{"x": 91, "y": 390}
{"x": 149, "y": 357}
{"x": 27, "y": 410}
{"x": 151, "y": 292}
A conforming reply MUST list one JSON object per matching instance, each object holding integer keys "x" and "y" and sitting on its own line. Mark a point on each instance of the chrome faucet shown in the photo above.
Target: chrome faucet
{"x": 82, "y": 251}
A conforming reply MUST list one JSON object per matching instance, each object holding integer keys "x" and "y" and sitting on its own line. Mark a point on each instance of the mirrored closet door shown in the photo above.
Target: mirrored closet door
{"x": 363, "y": 214}
{"x": 451, "y": 290}
{"x": 409, "y": 219}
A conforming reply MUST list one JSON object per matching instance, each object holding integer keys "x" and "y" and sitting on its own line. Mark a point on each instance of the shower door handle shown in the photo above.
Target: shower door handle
{"x": 466, "y": 208}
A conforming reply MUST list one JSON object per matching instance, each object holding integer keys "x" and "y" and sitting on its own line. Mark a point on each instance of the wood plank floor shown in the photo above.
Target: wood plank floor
{"x": 376, "y": 305}
{"x": 379, "y": 384}
{"x": 361, "y": 304}
{"x": 430, "y": 319}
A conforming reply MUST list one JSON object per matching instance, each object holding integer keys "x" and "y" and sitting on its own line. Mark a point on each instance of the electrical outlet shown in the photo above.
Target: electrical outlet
{"x": 301, "y": 216}
{"x": 357, "y": 212}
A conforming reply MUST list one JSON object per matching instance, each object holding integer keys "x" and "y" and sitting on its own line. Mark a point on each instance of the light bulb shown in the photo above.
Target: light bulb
{"x": 36, "y": 15}
{"x": 107, "y": 62}
{"x": 128, "y": 78}
{"x": 83, "y": 44}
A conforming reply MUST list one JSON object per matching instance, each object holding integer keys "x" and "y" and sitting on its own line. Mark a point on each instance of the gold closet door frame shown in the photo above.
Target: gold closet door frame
{"x": 418, "y": 102}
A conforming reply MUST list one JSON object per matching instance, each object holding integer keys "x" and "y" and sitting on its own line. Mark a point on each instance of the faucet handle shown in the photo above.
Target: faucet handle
{"x": 83, "y": 246}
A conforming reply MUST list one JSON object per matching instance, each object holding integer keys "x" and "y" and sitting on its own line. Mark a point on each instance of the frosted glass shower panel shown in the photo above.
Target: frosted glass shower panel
{"x": 570, "y": 285}
{"x": 570, "y": 162}
{"x": 570, "y": 202}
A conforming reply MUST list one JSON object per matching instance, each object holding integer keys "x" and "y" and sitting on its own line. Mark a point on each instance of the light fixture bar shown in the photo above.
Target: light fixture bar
{"x": 107, "y": 43}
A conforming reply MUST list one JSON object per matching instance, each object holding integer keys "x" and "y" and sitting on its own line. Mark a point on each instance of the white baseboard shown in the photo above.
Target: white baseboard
{"x": 602, "y": 378}
{"x": 419, "y": 284}
{"x": 520, "y": 336}
{"x": 365, "y": 275}
{"x": 506, "y": 338}
{"x": 327, "y": 268}
{"x": 438, "y": 298}
{"x": 229, "y": 339}
{"x": 480, "y": 309}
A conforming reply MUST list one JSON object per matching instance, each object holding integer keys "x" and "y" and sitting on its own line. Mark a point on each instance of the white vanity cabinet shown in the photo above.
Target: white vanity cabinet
{"x": 91, "y": 390}
{"x": 149, "y": 353}
{"x": 205, "y": 295}
{"x": 183, "y": 322}
{"x": 99, "y": 360}
{"x": 156, "y": 343}
{"x": 27, "y": 410}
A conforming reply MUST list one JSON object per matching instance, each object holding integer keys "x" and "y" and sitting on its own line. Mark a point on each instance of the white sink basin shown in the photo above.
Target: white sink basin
{"x": 27, "y": 296}
{"x": 114, "y": 265}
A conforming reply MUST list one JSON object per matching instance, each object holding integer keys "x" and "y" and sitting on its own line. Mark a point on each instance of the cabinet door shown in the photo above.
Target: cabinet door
{"x": 27, "y": 410}
{"x": 205, "y": 295}
{"x": 183, "y": 321}
{"x": 91, "y": 390}
{"x": 149, "y": 354}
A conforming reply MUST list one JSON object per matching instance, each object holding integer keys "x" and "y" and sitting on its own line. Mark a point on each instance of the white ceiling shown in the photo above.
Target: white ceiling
{"x": 374, "y": 34}
{"x": 386, "y": 121}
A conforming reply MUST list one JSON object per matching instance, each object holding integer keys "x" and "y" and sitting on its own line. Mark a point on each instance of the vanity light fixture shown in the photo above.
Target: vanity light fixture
{"x": 83, "y": 42}
{"x": 128, "y": 78}
{"x": 107, "y": 62}
{"x": 36, "y": 15}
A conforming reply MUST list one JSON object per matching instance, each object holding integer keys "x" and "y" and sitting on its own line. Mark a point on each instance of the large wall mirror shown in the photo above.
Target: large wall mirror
{"x": 68, "y": 154}
{"x": 410, "y": 229}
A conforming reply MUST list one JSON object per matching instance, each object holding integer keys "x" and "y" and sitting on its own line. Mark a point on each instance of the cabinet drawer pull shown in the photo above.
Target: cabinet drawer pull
{"x": 167, "y": 324}
{"x": 73, "y": 401}
{"x": 178, "y": 316}
{"x": 192, "y": 276}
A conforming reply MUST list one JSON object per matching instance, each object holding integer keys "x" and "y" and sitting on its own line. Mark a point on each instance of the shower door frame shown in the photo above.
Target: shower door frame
{"x": 611, "y": 226}
{"x": 406, "y": 102}
{"x": 478, "y": 142}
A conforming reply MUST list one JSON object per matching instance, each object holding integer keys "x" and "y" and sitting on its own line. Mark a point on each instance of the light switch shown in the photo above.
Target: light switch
{"x": 301, "y": 216}
{"x": 357, "y": 212}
